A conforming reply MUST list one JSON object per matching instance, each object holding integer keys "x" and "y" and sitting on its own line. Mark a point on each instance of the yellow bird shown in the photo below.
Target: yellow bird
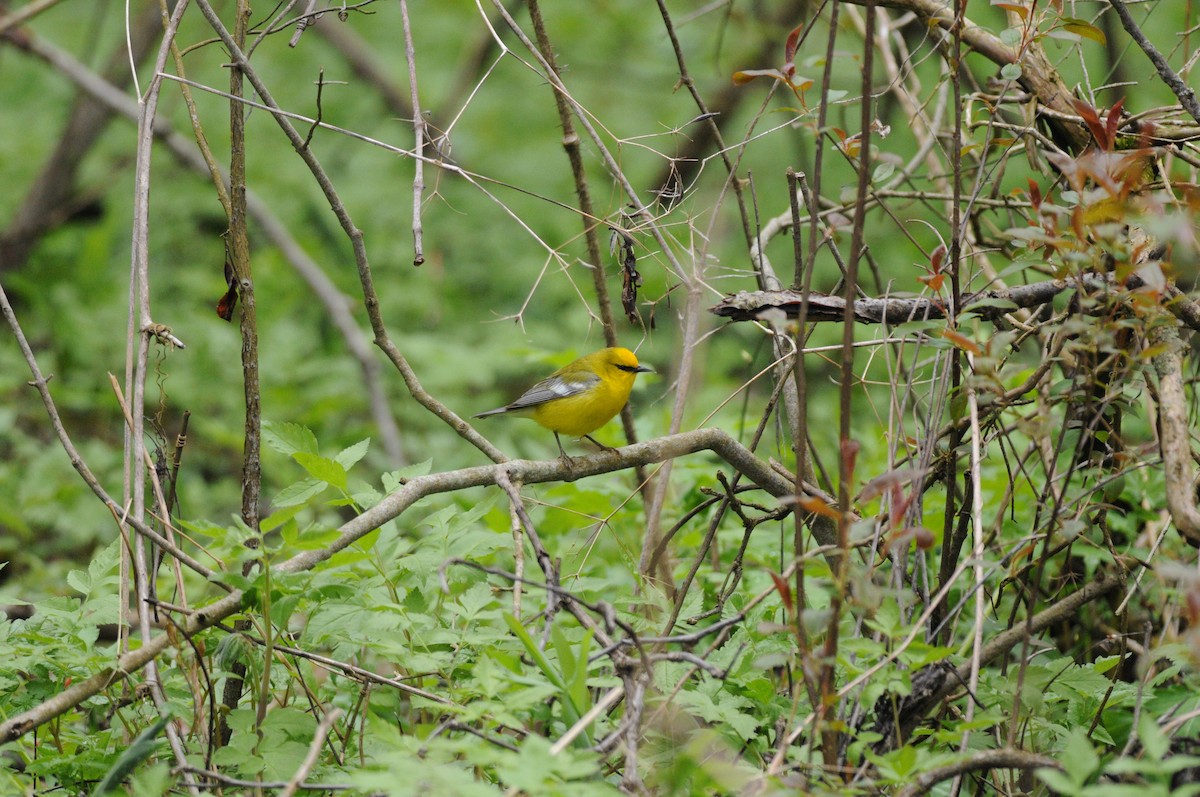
{"x": 580, "y": 397}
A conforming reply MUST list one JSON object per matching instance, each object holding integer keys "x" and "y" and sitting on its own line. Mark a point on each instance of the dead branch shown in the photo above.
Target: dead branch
{"x": 988, "y": 305}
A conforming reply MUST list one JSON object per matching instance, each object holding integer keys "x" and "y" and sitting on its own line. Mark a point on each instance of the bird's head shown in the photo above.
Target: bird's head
{"x": 626, "y": 361}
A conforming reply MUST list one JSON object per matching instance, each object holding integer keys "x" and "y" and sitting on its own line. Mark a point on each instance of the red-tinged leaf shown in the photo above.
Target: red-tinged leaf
{"x": 937, "y": 258}
{"x": 934, "y": 281}
{"x": 1021, "y": 554}
{"x": 1035, "y": 194}
{"x": 1113, "y": 120}
{"x": 1016, "y": 8}
{"x": 227, "y": 303}
{"x": 961, "y": 341}
{"x": 924, "y": 538}
{"x": 800, "y": 83}
{"x": 887, "y": 481}
{"x": 815, "y": 506}
{"x": 850, "y": 449}
{"x": 1085, "y": 29}
{"x": 744, "y": 76}
{"x": 1092, "y": 120}
{"x": 898, "y": 506}
{"x": 784, "y": 589}
{"x": 793, "y": 41}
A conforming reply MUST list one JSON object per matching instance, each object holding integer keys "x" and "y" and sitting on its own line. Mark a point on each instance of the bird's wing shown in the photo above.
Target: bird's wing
{"x": 554, "y": 387}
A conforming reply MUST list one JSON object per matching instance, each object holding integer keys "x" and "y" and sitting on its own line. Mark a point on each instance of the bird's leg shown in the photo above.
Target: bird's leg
{"x": 562, "y": 454}
{"x": 601, "y": 445}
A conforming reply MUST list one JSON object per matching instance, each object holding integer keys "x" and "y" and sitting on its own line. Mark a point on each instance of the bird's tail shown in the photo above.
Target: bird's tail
{"x": 496, "y": 411}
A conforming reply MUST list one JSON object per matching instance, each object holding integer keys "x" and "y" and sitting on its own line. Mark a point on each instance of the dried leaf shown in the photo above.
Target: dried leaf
{"x": 815, "y": 506}
{"x": 793, "y": 41}
{"x": 784, "y": 589}
{"x": 961, "y": 341}
{"x": 937, "y": 258}
{"x": 1015, "y": 8}
{"x": 743, "y": 76}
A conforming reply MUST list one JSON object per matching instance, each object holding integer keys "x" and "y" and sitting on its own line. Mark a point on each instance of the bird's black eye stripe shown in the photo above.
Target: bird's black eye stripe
{"x": 629, "y": 368}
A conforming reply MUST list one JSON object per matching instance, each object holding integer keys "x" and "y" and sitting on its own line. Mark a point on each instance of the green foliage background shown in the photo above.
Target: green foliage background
{"x": 486, "y": 313}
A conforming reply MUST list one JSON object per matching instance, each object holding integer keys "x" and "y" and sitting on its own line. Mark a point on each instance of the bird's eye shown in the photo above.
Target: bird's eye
{"x": 629, "y": 368}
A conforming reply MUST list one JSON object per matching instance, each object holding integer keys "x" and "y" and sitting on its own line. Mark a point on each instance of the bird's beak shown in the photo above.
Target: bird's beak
{"x": 642, "y": 369}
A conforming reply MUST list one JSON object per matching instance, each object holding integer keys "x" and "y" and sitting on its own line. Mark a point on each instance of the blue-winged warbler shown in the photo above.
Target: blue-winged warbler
{"x": 580, "y": 397}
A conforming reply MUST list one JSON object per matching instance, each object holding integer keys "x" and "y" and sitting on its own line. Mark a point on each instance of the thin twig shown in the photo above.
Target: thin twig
{"x": 419, "y": 138}
{"x": 1177, "y": 85}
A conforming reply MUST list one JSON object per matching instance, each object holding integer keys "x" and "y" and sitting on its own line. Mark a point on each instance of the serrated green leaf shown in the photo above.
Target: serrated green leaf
{"x": 289, "y": 438}
{"x": 1154, "y": 742}
{"x": 323, "y": 469}
{"x": 350, "y": 456}
{"x": 79, "y": 581}
{"x": 395, "y": 478}
{"x": 299, "y": 493}
{"x": 286, "y": 512}
{"x": 1057, "y": 781}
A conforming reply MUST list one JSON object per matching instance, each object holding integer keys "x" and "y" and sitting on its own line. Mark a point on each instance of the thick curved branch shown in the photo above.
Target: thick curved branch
{"x": 1004, "y": 758}
{"x": 523, "y": 471}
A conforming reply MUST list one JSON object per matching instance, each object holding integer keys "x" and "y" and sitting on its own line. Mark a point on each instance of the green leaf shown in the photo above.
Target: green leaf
{"x": 1079, "y": 757}
{"x": 1058, "y": 782}
{"x": 286, "y": 512}
{"x": 395, "y": 478}
{"x": 142, "y": 748}
{"x": 348, "y": 457}
{"x": 1081, "y": 27}
{"x": 571, "y": 713}
{"x": 323, "y": 468}
{"x": 289, "y": 438}
{"x": 574, "y": 668}
{"x": 1154, "y": 741}
{"x": 79, "y": 581}
{"x": 299, "y": 493}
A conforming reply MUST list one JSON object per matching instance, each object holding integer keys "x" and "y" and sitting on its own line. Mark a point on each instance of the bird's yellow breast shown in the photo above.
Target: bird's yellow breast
{"x": 586, "y": 412}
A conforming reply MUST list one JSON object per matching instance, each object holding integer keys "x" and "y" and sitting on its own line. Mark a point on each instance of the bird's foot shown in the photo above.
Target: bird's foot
{"x": 601, "y": 446}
